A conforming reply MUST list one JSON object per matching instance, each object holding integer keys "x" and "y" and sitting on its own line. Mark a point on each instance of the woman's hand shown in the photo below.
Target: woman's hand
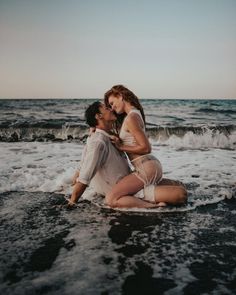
{"x": 92, "y": 130}
{"x": 116, "y": 141}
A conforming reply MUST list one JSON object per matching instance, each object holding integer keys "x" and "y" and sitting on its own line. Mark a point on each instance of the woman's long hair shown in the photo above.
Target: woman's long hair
{"x": 128, "y": 96}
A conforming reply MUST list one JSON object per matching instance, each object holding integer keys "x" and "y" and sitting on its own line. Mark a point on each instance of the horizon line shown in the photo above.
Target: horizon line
{"x": 92, "y": 98}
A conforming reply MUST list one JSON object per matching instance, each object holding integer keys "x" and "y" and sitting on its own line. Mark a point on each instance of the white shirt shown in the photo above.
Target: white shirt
{"x": 102, "y": 165}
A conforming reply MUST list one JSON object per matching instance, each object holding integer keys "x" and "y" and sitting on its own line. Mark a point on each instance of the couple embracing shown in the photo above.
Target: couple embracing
{"x": 106, "y": 157}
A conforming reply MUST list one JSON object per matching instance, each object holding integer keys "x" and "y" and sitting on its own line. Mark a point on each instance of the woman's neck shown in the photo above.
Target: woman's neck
{"x": 128, "y": 108}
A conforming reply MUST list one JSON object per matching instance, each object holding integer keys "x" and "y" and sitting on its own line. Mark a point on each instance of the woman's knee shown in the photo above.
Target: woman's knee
{"x": 182, "y": 195}
{"x": 111, "y": 199}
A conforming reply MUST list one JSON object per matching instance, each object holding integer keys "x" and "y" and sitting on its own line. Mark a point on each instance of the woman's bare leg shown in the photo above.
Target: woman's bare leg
{"x": 172, "y": 191}
{"x": 121, "y": 194}
{"x": 167, "y": 181}
{"x": 132, "y": 202}
{"x": 170, "y": 194}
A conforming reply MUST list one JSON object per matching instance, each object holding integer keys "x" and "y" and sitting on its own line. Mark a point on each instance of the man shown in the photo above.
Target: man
{"x": 102, "y": 165}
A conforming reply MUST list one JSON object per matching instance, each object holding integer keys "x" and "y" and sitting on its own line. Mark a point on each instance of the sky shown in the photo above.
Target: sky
{"x": 81, "y": 48}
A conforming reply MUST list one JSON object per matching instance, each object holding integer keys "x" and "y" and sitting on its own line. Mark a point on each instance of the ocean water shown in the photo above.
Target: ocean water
{"x": 92, "y": 250}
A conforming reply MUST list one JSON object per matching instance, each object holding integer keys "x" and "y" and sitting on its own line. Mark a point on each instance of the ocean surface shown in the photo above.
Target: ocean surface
{"x": 189, "y": 249}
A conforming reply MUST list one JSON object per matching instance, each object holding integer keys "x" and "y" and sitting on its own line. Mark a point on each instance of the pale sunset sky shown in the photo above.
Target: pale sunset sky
{"x": 80, "y": 48}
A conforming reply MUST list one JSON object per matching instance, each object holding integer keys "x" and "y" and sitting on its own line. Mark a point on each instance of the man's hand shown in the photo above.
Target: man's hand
{"x": 78, "y": 190}
{"x": 76, "y": 175}
{"x": 67, "y": 204}
{"x": 92, "y": 130}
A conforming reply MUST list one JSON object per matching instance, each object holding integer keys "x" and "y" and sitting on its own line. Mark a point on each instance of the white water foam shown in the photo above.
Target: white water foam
{"x": 49, "y": 167}
{"x": 209, "y": 139}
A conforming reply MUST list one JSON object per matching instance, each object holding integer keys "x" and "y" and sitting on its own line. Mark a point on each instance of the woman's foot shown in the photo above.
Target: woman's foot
{"x": 161, "y": 204}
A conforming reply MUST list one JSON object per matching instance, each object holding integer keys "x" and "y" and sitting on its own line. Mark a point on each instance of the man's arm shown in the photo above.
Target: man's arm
{"x": 78, "y": 191}
{"x": 74, "y": 178}
{"x": 93, "y": 159}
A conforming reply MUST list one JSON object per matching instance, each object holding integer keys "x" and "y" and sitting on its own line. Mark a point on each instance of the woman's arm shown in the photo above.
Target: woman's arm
{"x": 134, "y": 126}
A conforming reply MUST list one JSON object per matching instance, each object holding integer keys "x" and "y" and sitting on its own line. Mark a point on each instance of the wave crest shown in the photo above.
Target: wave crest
{"x": 66, "y": 132}
{"x": 178, "y": 136}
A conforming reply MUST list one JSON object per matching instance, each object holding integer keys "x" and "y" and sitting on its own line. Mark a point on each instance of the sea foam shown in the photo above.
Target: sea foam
{"x": 49, "y": 167}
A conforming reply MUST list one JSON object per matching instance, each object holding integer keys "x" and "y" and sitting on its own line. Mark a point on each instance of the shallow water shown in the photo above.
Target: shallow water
{"x": 94, "y": 251}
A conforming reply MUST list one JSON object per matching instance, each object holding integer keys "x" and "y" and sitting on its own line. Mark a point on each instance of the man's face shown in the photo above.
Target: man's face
{"x": 107, "y": 113}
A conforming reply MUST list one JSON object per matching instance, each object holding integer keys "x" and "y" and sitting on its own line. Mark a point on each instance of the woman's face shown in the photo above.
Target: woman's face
{"x": 116, "y": 103}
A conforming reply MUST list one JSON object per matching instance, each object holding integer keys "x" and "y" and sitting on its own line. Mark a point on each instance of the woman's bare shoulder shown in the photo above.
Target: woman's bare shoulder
{"x": 134, "y": 119}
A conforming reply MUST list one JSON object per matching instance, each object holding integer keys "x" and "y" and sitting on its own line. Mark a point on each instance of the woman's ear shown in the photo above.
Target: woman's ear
{"x": 120, "y": 97}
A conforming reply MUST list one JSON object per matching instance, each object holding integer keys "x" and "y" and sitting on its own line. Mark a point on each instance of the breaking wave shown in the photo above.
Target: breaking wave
{"x": 178, "y": 136}
{"x": 196, "y": 137}
{"x": 45, "y": 132}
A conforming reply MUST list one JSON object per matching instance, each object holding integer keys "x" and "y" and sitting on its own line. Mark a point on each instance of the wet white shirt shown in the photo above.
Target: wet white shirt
{"x": 102, "y": 165}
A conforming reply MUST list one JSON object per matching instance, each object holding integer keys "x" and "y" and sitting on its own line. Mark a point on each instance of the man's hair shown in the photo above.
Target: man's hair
{"x": 91, "y": 112}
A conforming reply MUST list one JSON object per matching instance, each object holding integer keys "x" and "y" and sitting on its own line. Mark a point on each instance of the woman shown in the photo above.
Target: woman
{"x": 133, "y": 140}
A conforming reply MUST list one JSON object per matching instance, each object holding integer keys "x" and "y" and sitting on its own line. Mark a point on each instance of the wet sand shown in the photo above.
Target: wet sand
{"x": 89, "y": 250}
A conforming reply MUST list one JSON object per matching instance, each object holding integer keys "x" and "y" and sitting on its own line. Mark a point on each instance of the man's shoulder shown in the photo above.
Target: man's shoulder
{"x": 97, "y": 138}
